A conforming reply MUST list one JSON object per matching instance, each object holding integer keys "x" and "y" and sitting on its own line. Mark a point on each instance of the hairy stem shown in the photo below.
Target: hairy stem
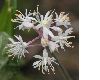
{"x": 40, "y": 35}
{"x": 32, "y": 41}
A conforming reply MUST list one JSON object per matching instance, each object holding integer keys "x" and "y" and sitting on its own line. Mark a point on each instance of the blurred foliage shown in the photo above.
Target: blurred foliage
{"x": 8, "y": 9}
{"x": 3, "y": 42}
{"x": 6, "y": 70}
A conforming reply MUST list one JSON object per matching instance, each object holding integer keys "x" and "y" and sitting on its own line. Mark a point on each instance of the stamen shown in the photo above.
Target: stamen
{"x": 19, "y": 12}
{"x": 37, "y": 8}
{"x": 26, "y": 12}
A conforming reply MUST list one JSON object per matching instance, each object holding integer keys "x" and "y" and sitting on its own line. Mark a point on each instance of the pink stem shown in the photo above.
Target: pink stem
{"x": 40, "y": 35}
{"x": 35, "y": 45}
{"x": 30, "y": 42}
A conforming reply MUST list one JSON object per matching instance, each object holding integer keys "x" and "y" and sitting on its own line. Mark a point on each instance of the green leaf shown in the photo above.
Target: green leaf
{"x": 16, "y": 62}
{"x": 20, "y": 76}
{"x": 5, "y": 74}
{"x": 3, "y": 42}
{"x": 5, "y": 16}
{"x": 14, "y": 5}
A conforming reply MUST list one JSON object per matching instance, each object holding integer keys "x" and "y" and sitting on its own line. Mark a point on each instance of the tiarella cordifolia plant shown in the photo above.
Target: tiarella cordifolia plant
{"x": 45, "y": 26}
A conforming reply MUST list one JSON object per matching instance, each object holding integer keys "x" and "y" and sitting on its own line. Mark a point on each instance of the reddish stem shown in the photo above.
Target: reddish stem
{"x": 30, "y": 42}
{"x": 40, "y": 35}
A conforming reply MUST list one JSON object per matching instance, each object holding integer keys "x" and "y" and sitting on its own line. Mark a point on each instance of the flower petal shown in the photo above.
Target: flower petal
{"x": 38, "y": 56}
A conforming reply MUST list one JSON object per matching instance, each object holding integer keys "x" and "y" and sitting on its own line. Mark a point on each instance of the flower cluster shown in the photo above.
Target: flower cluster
{"x": 46, "y": 27}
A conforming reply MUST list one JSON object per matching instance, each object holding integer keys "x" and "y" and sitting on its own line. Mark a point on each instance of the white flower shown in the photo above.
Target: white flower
{"x": 62, "y": 38}
{"x": 26, "y": 22}
{"x": 45, "y": 23}
{"x": 62, "y": 19}
{"x": 47, "y": 32}
{"x": 52, "y": 45}
{"x": 17, "y": 48}
{"x": 45, "y": 62}
{"x": 58, "y": 29}
{"x": 44, "y": 42}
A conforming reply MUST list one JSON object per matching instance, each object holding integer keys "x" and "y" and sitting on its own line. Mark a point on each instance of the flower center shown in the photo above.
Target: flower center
{"x": 44, "y": 42}
{"x": 44, "y": 22}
